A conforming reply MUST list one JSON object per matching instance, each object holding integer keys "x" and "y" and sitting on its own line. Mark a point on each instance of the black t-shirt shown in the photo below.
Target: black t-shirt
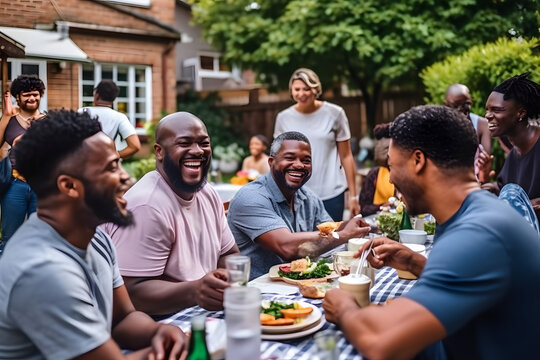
{"x": 523, "y": 170}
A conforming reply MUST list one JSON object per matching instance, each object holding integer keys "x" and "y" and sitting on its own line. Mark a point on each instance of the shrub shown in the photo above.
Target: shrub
{"x": 481, "y": 68}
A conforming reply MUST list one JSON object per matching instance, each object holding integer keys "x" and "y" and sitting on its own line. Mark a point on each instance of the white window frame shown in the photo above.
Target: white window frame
{"x": 131, "y": 93}
{"x": 215, "y": 73}
{"x": 16, "y": 68}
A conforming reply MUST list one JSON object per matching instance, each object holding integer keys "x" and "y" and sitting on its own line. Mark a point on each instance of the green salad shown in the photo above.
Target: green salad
{"x": 429, "y": 227}
{"x": 319, "y": 269}
{"x": 389, "y": 224}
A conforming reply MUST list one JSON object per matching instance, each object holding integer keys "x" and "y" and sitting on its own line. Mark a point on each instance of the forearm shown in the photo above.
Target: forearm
{"x": 347, "y": 162}
{"x": 161, "y": 297}
{"x": 316, "y": 245}
{"x": 135, "y": 331}
{"x": 133, "y": 145}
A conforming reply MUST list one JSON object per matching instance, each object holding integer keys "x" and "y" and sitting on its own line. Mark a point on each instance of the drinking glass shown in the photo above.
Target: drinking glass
{"x": 242, "y": 308}
{"x": 342, "y": 262}
{"x": 326, "y": 342}
{"x": 238, "y": 267}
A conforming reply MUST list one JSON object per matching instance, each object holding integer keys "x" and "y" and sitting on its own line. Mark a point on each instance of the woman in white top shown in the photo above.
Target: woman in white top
{"x": 327, "y": 128}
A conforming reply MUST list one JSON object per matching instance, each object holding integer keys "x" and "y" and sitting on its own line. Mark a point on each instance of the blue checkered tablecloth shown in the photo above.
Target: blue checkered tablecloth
{"x": 387, "y": 286}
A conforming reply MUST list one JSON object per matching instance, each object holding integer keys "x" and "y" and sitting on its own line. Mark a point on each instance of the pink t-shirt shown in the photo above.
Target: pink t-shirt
{"x": 171, "y": 236}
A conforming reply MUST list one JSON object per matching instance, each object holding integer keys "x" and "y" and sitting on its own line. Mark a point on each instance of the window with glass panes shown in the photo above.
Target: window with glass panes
{"x": 135, "y": 83}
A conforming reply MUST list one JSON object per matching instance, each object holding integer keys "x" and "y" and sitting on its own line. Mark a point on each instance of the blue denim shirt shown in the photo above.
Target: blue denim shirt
{"x": 259, "y": 207}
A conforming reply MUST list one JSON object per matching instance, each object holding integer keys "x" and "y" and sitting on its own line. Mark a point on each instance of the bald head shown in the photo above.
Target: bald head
{"x": 459, "y": 98}
{"x": 176, "y": 124}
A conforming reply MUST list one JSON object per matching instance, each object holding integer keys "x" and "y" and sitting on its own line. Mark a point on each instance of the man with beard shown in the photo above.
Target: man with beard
{"x": 274, "y": 218}
{"x": 61, "y": 292}
{"x": 169, "y": 258}
{"x": 470, "y": 291}
{"x": 19, "y": 201}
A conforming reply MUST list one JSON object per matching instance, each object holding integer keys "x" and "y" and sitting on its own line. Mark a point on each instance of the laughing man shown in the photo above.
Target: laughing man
{"x": 274, "y": 218}
{"x": 173, "y": 257}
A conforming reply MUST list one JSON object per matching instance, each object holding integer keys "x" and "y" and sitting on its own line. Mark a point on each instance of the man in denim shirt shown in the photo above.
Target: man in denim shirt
{"x": 274, "y": 218}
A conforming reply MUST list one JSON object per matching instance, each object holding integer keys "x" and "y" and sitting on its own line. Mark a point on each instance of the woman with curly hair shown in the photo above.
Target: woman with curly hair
{"x": 19, "y": 201}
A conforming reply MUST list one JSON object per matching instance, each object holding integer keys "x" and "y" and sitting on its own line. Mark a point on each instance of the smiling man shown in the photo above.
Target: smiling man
{"x": 470, "y": 291}
{"x": 274, "y": 218}
{"x": 61, "y": 294}
{"x": 173, "y": 257}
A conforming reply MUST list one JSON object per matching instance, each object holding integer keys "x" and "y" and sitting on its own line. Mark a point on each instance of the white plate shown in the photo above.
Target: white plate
{"x": 308, "y": 321}
{"x": 298, "y": 334}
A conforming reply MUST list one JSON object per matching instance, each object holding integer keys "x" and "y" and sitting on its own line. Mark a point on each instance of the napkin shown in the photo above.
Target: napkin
{"x": 216, "y": 336}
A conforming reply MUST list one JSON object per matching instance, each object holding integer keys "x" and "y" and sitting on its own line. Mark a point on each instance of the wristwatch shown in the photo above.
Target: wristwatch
{"x": 335, "y": 235}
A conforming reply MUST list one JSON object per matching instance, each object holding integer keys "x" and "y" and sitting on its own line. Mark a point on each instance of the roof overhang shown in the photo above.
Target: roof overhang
{"x": 50, "y": 45}
{"x": 10, "y": 47}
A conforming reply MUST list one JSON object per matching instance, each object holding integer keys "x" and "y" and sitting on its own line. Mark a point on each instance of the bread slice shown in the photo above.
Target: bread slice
{"x": 313, "y": 290}
{"x": 329, "y": 226}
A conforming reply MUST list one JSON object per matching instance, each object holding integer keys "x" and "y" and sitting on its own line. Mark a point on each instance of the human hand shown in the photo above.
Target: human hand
{"x": 354, "y": 206}
{"x": 210, "y": 289}
{"x": 354, "y": 228}
{"x": 388, "y": 253}
{"x": 337, "y": 302}
{"x": 169, "y": 342}
{"x": 8, "y": 110}
{"x": 484, "y": 163}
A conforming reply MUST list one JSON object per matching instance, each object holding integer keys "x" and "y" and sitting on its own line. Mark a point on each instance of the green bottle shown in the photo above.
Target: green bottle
{"x": 197, "y": 342}
{"x": 405, "y": 221}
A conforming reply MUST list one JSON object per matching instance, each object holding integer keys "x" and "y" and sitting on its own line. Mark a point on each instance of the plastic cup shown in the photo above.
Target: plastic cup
{"x": 407, "y": 275}
{"x": 358, "y": 286}
{"x": 238, "y": 268}
{"x": 242, "y": 308}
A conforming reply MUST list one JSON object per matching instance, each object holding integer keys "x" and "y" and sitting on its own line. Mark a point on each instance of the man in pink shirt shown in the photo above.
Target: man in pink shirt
{"x": 173, "y": 257}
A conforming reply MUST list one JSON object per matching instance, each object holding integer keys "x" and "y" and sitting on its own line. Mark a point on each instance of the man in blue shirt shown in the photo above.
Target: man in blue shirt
{"x": 274, "y": 218}
{"x": 478, "y": 290}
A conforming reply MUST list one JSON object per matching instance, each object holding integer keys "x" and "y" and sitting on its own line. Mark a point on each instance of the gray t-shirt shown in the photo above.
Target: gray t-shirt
{"x": 55, "y": 299}
{"x": 259, "y": 207}
{"x": 323, "y": 128}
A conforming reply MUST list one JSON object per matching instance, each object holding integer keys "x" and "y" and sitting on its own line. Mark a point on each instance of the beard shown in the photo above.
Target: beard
{"x": 412, "y": 195}
{"x": 105, "y": 208}
{"x": 174, "y": 174}
{"x": 279, "y": 178}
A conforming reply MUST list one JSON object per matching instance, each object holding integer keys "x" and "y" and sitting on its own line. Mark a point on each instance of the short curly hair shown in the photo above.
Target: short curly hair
{"x": 107, "y": 90}
{"x": 523, "y": 91}
{"x": 443, "y": 134}
{"x": 47, "y": 143}
{"x": 26, "y": 83}
{"x": 289, "y": 135}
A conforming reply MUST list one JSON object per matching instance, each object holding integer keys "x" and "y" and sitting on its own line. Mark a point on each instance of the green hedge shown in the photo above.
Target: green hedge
{"x": 481, "y": 68}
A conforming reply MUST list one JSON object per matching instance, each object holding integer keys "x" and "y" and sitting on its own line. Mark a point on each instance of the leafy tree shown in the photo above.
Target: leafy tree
{"x": 221, "y": 127}
{"x": 481, "y": 68}
{"x": 371, "y": 44}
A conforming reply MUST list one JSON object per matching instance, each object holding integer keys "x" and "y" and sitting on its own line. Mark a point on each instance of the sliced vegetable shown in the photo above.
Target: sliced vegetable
{"x": 315, "y": 270}
{"x": 279, "y": 322}
{"x": 297, "y": 313}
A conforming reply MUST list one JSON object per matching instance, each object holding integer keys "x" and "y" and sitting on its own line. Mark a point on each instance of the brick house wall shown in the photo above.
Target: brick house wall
{"x": 107, "y": 33}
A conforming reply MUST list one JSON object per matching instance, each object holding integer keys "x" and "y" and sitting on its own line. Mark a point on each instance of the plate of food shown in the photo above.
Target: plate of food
{"x": 297, "y": 334}
{"x": 281, "y": 317}
{"x": 302, "y": 269}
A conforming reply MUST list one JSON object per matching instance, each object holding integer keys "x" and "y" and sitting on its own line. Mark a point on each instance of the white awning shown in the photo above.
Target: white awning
{"x": 46, "y": 44}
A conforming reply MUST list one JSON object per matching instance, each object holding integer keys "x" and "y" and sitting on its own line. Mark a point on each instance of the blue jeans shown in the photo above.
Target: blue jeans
{"x": 18, "y": 202}
{"x": 335, "y": 206}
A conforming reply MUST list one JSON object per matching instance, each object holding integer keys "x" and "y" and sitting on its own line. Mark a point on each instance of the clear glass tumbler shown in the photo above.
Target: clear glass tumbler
{"x": 238, "y": 268}
{"x": 242, "y": 308}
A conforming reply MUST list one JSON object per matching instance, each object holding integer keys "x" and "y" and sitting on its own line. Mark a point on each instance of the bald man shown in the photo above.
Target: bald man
{"x": 173, "y": 257}
{"x": 459, "y": 97}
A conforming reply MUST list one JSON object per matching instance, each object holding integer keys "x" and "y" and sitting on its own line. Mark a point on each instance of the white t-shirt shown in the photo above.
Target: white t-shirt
{"x": 113, "y": 123}
{"x": 323, "y": 128}
{"x": 171, "y": 236}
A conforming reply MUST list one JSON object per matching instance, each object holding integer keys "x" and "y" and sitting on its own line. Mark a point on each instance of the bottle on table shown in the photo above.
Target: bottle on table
{"x": 405, "y": 221}
{"x": 197, "y": 342}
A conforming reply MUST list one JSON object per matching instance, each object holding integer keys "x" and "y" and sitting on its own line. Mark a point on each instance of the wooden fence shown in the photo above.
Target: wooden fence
{"x": 258, "y": 117}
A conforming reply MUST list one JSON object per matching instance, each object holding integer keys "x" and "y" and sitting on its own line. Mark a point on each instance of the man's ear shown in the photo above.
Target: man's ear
{"x": 158, "y": 150}
{"x": 270, "y": 161}
{"x": 420, "y": 160}
{"x": 70, "y": 186}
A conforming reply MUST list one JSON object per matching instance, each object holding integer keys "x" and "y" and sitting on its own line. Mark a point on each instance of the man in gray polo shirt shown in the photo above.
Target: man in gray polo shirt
{"x": 61, "y": 293}
{"x": 274, "y": 218}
